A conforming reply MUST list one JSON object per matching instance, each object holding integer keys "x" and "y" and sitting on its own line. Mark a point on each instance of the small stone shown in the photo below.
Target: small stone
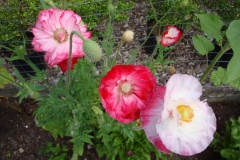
{"x": 20, "y": 150}
{"x": 172, "y": 70}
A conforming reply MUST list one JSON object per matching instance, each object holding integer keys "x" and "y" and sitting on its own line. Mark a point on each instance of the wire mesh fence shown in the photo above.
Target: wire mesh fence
{"x": 17, "y": 19}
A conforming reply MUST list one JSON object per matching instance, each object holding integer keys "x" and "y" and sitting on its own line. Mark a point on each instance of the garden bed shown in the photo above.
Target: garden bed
{"x": 22, "y": 139}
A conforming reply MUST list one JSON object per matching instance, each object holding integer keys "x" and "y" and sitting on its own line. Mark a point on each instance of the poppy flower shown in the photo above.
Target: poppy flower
{"x": 52, "y": 36}
{"x": 170, "y": 36}
{"x": 179, "y": 120}
{"x": 124, "y": 91}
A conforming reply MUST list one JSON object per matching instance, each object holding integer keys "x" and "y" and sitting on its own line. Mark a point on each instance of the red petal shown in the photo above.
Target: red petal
{"x": 64, "y": 64}
{"x": 151, "y": 115}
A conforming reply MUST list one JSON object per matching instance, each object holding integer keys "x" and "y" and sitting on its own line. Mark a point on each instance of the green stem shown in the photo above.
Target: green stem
{"x": 118, "y": 50}
{"x": 225, "y": 48}
{"x": 70, "y": 56}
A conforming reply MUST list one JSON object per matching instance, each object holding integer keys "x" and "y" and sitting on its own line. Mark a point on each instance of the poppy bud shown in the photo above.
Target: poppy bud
{"x": 128, "y": 36}
{"x": 92, "y": 50}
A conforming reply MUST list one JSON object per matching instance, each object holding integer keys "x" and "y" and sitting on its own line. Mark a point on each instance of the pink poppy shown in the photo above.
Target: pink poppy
{"x": 180, "y": 121}
{"x": 52, "y": 35}
{"x": 124, "y": 91}
{"x": 170, "y": 36}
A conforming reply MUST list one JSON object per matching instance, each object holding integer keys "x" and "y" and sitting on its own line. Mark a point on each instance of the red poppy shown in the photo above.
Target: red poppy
{"x": 170, "y": 36}
{"x": 125, "y": 90}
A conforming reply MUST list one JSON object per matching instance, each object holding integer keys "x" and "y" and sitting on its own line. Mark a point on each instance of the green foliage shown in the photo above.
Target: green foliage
{"x": 124, "y": 141}
{"x": 220, "y": 77}
{"x": 26, "y": 89}
{"x": 93, "y": 12}
{"x": 202, "y": 44}
{"x": 233, "y": 34}
{"x": 71, "y": 112}
{"x": 19, "y": 16}
{"x": 16, "y": 17}
{"x": 56, "y": 152}
{"x": 212, "y": 26}
{"x": 173, "y": 12}
{"x": 227, "y": 10}
{"x": 5, "y": 77}
{"x": 227, "y": 143}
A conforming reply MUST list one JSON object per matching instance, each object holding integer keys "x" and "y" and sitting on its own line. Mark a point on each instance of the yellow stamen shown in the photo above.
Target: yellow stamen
{"x": 126, "y": 87}
{"x": 186, "y": 113}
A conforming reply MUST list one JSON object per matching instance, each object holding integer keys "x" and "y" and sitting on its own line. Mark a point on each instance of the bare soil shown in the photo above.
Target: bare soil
{"x": 21, "y": 139}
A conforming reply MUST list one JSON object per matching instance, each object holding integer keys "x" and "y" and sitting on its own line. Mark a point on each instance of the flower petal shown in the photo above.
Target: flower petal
{"x": 183, "y": 86}
{"x": 52, "y": 23}
{"x": 188, "y": 138}
{"x": 151, "y": 115}
{"x": 125, "y": 106}
{"x": 170, "y": 36}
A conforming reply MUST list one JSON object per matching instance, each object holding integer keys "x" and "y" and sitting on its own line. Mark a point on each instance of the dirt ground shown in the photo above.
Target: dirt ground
{"x": 21, "y": 139}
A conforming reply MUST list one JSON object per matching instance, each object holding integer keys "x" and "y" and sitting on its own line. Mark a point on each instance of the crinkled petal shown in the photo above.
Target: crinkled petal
{"x": 125, "y": 107}
{"x": 188, "y": 138}
{"x": 183, "y": 86}
{"x": 151, "y": 115}
{"x": 49, "y": 24}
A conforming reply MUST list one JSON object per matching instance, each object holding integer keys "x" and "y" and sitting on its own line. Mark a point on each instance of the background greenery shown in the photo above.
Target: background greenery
{"x": 17, "y": 17}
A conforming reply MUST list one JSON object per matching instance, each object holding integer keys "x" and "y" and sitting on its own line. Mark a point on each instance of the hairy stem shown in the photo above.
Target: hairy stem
{"x": 70, "y": 56}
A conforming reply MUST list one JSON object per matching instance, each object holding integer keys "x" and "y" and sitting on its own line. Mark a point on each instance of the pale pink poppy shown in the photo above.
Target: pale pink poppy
{"x": 170, "y": 36}
{"x": 52, "y": 35}
{"x": 124, "y": 91}
{"x": 183, "y": 124}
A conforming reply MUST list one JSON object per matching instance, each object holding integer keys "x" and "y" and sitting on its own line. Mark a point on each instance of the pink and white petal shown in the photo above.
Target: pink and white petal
{"x": 188, "y": 138}
{"x": 133, "y": 101}
{"x": 54, "y": 16}
{"x": 173, "y": 32}
{"x": 184, "y": 83}
{"x": 39, "y": 33}
{"x": 165, "y": 41}
{"x": 48, "y": 45}
{"x": 67, "y": 19}
{"x": 151, "y": 115}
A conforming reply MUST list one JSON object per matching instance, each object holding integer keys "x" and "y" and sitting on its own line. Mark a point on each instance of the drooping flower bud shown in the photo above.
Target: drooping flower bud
{"x": 128, "y": 36}
{"x": 92, "y": 50}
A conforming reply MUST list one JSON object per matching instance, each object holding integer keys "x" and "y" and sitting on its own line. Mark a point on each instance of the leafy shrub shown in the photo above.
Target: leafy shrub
{"x": 121, "y": 141}
{"x": 228, "y": 142}
{"x": 226, "y": 9}
{"x": 93, "y": 12}
{"x": 16, "y": 17}
{"x": 173, "y": 12}
{"x": 56, "y": 152}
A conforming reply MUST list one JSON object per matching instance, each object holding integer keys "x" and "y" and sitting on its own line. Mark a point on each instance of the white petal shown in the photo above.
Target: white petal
{"x": 188, "y": 138}
{"x": 183, "y": 86}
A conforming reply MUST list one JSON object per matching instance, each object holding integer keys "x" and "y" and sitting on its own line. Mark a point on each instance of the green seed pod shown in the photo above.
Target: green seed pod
{"x": 110, "y": 8}
{"x": 92, "y": 50}
{"x": 184, "y": 3}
